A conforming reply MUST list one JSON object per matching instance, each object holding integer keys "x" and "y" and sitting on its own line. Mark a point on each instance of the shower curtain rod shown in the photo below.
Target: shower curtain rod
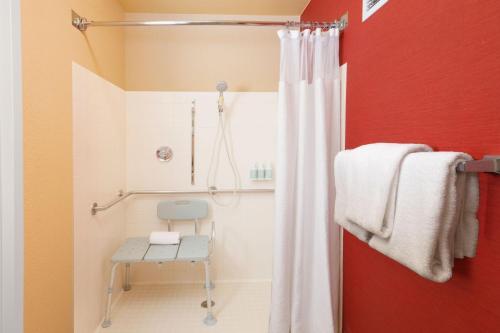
{"x": 82, "y": 23}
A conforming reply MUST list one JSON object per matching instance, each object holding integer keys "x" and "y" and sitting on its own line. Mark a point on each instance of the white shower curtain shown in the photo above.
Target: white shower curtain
{"x": 305, "y": 289}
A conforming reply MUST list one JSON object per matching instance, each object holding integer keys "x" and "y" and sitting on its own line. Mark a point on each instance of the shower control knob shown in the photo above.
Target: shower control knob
{"x": 164, "y": 154}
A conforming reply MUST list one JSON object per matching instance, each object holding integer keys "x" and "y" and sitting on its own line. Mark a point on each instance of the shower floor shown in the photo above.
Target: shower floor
{"x": 240, "y": 307}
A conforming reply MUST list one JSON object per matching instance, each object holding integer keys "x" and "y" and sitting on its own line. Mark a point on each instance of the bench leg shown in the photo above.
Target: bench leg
{"x": 107, "y": 319}
{"x": 209, "y": 319}
{"x": 126, "y": 285}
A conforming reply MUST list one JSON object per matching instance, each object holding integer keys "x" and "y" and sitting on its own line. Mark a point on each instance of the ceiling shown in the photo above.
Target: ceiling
{"x": 222, "y": 7}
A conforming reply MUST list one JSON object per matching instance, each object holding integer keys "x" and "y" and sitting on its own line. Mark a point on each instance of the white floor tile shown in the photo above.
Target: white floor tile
{"x": 240, "y": 308}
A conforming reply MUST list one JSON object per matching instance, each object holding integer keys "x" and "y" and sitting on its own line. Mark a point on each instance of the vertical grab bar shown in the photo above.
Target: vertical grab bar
{"x": 193, "y": 114}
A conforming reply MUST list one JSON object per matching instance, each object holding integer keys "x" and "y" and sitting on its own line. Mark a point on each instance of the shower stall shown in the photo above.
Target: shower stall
{"x": 119, "y": 180}
{"x": 154, "y": 140}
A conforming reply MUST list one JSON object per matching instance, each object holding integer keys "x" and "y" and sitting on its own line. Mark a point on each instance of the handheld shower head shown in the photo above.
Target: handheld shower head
{"x": 221, "y": 87}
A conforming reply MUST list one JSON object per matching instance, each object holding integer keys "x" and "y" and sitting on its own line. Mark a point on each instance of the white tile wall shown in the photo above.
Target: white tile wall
{"x": 116, "y": 134}
{"x": 98, "y": 171}
{"x": 244, "y": 233}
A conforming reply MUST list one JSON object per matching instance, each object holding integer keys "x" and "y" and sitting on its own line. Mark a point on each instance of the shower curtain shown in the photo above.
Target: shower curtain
{"x": 306, "y": 262}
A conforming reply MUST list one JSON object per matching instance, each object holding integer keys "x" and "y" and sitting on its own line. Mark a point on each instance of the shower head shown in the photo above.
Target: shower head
{"x": 221, "y": 86}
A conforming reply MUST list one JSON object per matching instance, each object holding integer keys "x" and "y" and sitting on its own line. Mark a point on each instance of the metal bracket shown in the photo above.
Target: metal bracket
{"x": 344, "y": 21}
{"x": 78, "y": 21}
{"x": 93, "y": 209}
{"x": 489, "y": 163}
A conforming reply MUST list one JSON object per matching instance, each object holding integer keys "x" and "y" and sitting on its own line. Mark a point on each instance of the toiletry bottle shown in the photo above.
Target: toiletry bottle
{"x": 254, "y": 172}
{"x": 261, "y": 172}
{"x": 268, "y": 172}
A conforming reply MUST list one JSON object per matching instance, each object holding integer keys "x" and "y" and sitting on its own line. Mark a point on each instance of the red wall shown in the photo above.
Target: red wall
{"x": 426, "y": 72}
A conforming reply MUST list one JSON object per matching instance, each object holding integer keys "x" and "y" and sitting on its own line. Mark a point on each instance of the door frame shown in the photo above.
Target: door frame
{"x": 11, "y": 170}
{"x": 343, "y": 117}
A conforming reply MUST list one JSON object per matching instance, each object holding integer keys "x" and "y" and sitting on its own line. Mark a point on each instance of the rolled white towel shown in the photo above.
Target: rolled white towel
{"x": 164, "y": 237}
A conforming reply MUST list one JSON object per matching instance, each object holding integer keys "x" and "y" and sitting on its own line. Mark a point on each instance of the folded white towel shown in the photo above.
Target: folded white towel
{"x": 367, "y": 179}
{"x": 435, "y": 219}
{"x": 340, "y": 170}
{"x": 164, "y": 237}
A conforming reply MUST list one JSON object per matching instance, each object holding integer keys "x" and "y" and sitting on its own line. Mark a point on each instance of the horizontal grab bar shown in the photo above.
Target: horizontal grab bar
{"x": 487, "y": 164}
{"x": 123, "y": 195}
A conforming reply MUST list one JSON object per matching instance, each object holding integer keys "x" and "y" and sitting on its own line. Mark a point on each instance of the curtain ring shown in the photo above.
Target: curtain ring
{"x": 303, "y": 26}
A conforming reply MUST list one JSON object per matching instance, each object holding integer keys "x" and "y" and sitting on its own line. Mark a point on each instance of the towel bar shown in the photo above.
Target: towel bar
{"x": 487, "y": 164}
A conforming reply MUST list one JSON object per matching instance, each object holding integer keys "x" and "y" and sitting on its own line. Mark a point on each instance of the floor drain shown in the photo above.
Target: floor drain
{"x": 204, "y": 304}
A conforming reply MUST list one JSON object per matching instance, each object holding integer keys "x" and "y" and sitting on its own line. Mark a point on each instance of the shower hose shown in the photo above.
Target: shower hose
{"x": 222, "y": 139}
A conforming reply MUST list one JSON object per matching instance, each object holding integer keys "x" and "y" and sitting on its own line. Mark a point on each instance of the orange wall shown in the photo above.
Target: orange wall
{"x": 231, "y": 7}
{"x": 50, "y": 44}
{"x": 195, "y": 58}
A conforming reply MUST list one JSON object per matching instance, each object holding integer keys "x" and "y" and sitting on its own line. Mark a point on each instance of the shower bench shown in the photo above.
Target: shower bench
{"x": 192, "y": 248}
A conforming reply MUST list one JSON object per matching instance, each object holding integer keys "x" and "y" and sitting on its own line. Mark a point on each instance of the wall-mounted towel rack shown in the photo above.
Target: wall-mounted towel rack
{"x": 487, "y": 164}
{"x": 123, "y": 195}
